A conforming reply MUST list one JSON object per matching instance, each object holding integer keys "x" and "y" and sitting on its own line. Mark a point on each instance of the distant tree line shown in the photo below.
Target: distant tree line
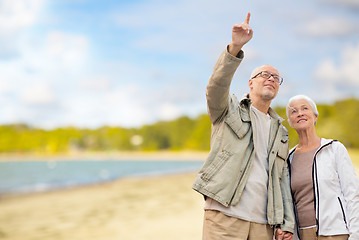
{"x": 339, "y": 121}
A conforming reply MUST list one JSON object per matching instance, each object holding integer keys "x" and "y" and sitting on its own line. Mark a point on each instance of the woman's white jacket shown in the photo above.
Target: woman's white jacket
{"x": 336, "y": 190}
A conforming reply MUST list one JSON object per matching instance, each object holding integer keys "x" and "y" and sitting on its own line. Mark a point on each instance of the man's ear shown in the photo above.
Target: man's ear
{"x": 250, "y": 83}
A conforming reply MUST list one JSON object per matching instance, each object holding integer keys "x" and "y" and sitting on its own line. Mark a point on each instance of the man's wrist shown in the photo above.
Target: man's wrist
{"x": 234, "y": 49}
{"x": 239, "y": 54}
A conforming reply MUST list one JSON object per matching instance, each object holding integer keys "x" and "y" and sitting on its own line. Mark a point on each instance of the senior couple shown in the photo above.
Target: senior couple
{"x": 254, "y": 188}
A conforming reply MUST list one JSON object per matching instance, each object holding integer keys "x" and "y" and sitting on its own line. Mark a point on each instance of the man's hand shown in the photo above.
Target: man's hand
{"x": 280, "y": 235}
{"x": 241, "y": 34}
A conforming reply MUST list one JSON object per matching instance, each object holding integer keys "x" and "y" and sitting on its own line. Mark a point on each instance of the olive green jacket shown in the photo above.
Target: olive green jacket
{"x": 226, "y": 170}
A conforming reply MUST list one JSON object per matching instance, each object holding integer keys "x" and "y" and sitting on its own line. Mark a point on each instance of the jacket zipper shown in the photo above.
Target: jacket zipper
{"x": 316, "y": 190}
{"x": 316, "y": 184}
{"x": 341, "y": 206}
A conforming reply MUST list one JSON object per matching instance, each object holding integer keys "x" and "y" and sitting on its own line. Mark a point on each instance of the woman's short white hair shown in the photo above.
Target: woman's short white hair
{"x": 301, "y": 97}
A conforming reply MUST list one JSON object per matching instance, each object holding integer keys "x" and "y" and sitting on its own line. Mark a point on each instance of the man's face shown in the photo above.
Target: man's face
{"x": 265, "y": 89}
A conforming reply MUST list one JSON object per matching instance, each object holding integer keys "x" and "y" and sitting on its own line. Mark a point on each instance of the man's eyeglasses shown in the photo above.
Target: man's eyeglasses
{"x": 267, "y": 75}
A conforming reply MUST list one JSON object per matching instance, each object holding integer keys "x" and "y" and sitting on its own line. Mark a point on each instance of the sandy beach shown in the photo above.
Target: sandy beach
{"x": 158, "y": 208}
{"x": 151, "y": 208}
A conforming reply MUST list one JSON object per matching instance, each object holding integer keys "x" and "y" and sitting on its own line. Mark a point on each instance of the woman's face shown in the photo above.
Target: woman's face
{"x": 301, "y": 115}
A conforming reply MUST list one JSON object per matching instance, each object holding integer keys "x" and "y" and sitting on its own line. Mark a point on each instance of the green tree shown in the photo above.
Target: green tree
{"x": 336, "y": 121}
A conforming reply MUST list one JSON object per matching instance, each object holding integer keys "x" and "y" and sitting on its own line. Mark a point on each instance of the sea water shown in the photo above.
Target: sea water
{"x": 39, "y": 176}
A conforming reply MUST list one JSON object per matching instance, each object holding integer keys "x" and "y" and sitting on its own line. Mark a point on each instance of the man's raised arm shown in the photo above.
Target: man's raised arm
{"x": 241, "y": 34}
{"x": 219, "y": 83}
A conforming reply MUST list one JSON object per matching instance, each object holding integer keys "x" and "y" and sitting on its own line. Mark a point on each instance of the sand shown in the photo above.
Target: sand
{"x": 152, "y": 208}
{"x": 158, "y": 208}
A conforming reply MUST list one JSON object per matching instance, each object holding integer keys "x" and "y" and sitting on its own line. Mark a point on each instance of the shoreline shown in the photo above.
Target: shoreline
{"x": 127, "y": 155}
{"x": 115, "y": 156}
{"x": 144, "y": 176}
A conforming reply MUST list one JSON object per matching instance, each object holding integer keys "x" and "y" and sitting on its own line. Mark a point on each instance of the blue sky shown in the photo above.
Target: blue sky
{"x": 128, "y": 63}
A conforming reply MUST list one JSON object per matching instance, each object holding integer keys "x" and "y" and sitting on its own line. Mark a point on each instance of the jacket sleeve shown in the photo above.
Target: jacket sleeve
{"x": 349, "y": 184}
{"x": 288, "y": 220}
{"x": 217, "y": 91}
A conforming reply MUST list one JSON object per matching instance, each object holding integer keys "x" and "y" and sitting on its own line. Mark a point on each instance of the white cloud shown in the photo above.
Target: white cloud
{"x": 100, "y": 83}
{"x": 68, "y": 49}
{"x": 40, "y": 94}
{"x": 346, "y": 3}
{"x": 4, "y": 85}
{"x": 168, "y": 111}
{"x": 328, "y": 26}
{"x": 16, "y": 15}
{"x": 127, "y": 83}
{"x": 327, "y": 71}
{"x": 58, "y": 59}
{"x": 344, "y": 73}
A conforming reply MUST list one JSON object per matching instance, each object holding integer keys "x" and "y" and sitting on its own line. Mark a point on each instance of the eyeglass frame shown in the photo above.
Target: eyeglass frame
{"x": 280, "y": 79}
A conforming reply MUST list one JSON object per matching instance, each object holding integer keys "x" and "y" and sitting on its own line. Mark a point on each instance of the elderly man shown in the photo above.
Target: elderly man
{"x": 245, "y": 177}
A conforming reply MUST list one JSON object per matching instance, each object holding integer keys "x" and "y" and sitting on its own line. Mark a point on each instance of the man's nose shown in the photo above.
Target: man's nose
{"x": 271, "y": 77}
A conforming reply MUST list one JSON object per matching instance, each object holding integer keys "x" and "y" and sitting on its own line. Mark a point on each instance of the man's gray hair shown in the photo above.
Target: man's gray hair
{"x": 301, "y": 97}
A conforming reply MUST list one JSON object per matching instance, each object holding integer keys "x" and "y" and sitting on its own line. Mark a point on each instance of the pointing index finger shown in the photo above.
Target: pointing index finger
{"x": 247, "y": 18}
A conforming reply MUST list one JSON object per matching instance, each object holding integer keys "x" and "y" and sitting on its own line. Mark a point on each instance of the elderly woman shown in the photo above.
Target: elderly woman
{"x": 324, "y": 185}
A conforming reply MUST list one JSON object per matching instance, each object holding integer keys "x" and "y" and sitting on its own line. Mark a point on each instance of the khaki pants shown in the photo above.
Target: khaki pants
{"x": 310, "y": 234}
{"x": 217, "y": 226}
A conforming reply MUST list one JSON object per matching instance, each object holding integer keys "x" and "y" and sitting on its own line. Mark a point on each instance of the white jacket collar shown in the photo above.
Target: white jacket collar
{"x": 323, "y": 142}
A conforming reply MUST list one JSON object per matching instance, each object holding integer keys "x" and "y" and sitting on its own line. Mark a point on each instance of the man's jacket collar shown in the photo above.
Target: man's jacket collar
{"x": 246, "y": 102}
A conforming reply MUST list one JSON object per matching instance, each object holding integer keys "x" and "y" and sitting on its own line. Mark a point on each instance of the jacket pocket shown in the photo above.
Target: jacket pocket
{"x": 283, "y": 152}
{"x": 341, "y": 206}
{"x": 283, "y": 146}
{"x": 282, "y": 155}
{"x": 235, "y": 123}
{"x": 216, "y": 165}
